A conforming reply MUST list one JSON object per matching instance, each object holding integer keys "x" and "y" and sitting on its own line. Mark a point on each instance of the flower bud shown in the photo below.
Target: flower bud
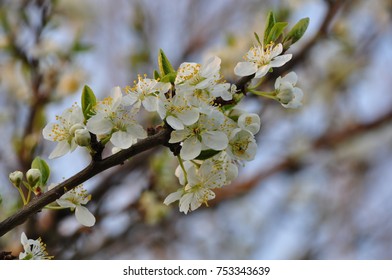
{"x": 75, "y": 127}
{"x": 249, "y": 122}
{"x": 33, "y": 175}
{"x": 16, "y": 178}
{"x": 82, "y": 137}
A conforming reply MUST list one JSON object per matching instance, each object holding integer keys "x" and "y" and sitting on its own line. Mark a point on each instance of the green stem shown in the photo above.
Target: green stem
{"x": 22, "y": 195}
{"x": 54, "y": 207}
{"x": 271, "y": 94}
{"x": 183, "y": 169}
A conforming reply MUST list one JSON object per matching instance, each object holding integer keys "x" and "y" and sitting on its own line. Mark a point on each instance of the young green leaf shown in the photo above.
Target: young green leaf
{"x": 88, "y": 102}
{"x": 268, "y": 26}
{"x": 164, "y": 64}
{"x": 42, "y": 166}
{"x": 296, "y": 32}
{"x": 156, "y": 75}
{"x": 275, "y": 32}
{"x": 169, "y": 78}
{"x": 257, "y": 38}
{"x": 206, "y": 154}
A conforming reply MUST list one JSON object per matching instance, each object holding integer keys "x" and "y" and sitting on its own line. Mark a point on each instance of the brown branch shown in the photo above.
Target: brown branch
{"x": 327, "y": 141}
{"x": 90, "y": 171}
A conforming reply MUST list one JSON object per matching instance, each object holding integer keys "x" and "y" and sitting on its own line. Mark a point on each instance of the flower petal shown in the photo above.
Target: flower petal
{"x": 61, "y": 149}
{"x": 173, "y": 197}
{"x": 99, "y": 125}
{"x": 191, "y": 148}
{"x": 216, "y": 140}
{"x": 189, "y": 116}
{"x": 174, "y": 122}
{"x": 262, "y": 71}
{"x": 84, "y": 216}
{"x": 178, "y": 135}
{"x": 245, "y": 69}
{"x": 150, "y": 103}
{"x": 122, "y": 140}
{"x": 280, "y": 60}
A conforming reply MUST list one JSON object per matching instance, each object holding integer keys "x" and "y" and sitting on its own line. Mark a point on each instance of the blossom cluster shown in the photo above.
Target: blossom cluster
{"x": 197, "y": 105}
{"x": 214, "y": 138}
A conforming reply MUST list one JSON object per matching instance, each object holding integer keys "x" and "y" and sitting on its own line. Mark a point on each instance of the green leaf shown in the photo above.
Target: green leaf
{"x": 275, "y": 32}
{"x": 88, "y": 102}
{"x": 164, "y": 64}
{"x": 169, "y": 78}
{"x": 42, "y": 166}
{"x": 80, "y": 47}
{"x": 156, "y": 75}
{"x": 268, "y": 26}
{"x": 206, "y": 154}
{"x": 257, "y": 38}
{"x": 296, "y": 32}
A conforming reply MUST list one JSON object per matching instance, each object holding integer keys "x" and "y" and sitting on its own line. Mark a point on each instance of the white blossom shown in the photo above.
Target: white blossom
{"x": 203, "y": 134}
{"x": 75, "y": 199}
{"x": 114, "y": 119}
{"x": 200, "y": 182}
{"x": 202, "y": 84}
{"x": 33, "y": 249}
{"x": 249, "y": 122}
{"x": 145, "y": 92}
{"x": 286, "y": 92}
{"x": 176, "y": 111}
{"x": 260, "y": 60}
{"x": 242, "y": 145}
{"x": 63, "y": 131}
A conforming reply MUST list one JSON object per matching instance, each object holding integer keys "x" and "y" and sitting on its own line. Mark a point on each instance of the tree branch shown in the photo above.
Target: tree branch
{"x": 94, "y": 168}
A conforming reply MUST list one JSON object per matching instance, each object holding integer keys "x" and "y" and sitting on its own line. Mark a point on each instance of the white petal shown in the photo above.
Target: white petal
{"x": 231, "y": 173}
{"x": 191, "y": 148}
{"x": 174, "y": 123}
{"x": 84, "y": 216}
{"x": 262, "y": 71}
{"x": 65, "y": 203}
{"x": 245, "y": 69}
{"x": 178, "y": 135}
{"x": 189, "y": 116}
{"x": 76, "y": 115}
{"x": 99, "y": 125}
{"x": 117, "y": 97}
{"x": 290, "y": 78}
{"x": 122, "y": 139}
{"x": 173, "y": 197}
{"x": 136, "y": 131}
{"x": 211, "y": 67}
{"x": 280, "y": 60}
{"x": 23, "y": 239}
{"x": 277, "y": 50}
{"x": 47, "y": 131}
{"x": 216, "y": 140}
{"x": 129, "y": 99}
{"x": 150, "y": 103}
{"x": 185, "y": 202}
{"x": 61, "y": 149}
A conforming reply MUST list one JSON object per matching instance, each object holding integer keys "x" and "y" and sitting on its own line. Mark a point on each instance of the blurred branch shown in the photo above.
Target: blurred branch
{"x": 329, "y": 140}
{"x": 333, "y": 8}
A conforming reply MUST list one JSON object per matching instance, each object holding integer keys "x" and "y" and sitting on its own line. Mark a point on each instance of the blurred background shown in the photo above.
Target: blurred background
{"x": 321, "y": 181}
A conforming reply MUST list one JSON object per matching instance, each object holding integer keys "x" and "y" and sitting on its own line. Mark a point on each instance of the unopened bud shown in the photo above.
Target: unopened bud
{"x": 16, "y": 178}
{"x": 33, "y": 175}
{"x": 75, "y": 127}
{"x": 82, "y": 137}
